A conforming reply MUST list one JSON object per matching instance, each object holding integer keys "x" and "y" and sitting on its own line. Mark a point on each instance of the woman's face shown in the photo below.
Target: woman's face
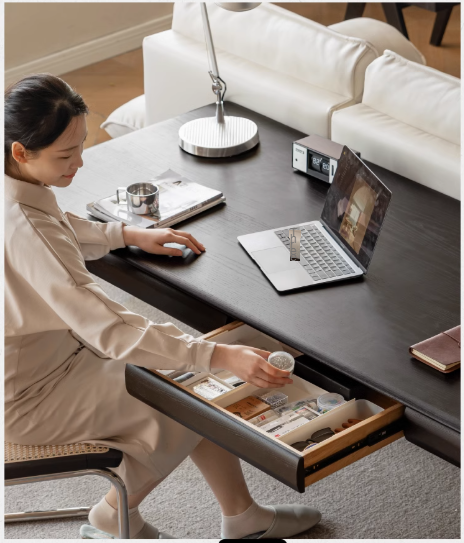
{"x": 57, "y": 164}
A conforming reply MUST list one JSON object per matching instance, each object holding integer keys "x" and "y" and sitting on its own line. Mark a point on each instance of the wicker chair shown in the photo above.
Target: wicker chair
{"x": 37, "y": 463}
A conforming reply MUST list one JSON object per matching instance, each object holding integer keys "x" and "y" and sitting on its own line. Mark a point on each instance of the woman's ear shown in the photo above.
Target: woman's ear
{"x": 18, "y": 152}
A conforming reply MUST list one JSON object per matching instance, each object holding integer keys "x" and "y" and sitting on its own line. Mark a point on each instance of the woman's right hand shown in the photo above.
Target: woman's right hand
{"x": 250, "y": 364}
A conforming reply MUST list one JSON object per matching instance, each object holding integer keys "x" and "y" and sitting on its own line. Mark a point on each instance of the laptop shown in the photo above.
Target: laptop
{"x": 337, "y": 247}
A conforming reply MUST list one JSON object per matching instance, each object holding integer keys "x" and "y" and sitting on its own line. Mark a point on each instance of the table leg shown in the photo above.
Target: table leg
{"x": 394, "y": 14}
{"x": 439, "y": 27}
{"x": 354, "y": 9}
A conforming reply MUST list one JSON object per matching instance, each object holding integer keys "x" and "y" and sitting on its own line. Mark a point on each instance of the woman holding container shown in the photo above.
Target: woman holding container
{"x": 67, "y": 343}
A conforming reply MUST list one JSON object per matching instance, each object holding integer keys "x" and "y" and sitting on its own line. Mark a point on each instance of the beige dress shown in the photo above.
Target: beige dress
{"x": 67, "y": 343}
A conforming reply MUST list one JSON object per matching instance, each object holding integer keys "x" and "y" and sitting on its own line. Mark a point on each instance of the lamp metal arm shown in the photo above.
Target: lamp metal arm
{"x": 214, "y": 70}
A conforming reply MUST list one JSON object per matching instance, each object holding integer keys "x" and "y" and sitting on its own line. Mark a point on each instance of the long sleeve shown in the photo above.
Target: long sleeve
{"x": 54, "y": 267}
{"x": 95, "y": 238}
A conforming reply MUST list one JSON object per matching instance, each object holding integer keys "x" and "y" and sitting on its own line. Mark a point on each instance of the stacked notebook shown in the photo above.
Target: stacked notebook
{"x": 179, "y": 199}
{"x": 442, "y": 352}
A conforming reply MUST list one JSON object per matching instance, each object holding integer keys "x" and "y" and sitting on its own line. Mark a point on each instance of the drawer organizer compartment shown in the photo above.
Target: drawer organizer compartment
{"x": 378, "y": 417}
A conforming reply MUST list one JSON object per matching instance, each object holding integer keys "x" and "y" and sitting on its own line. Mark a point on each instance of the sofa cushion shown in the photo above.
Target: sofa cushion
{"x": 175, "y": 61}
{"x": 381, "y": 36}
{"x": 399, "y": 147}
{"x": 284, "y": 42}
{"x": 416, "y": 95}
{"x": 127, "y": 118}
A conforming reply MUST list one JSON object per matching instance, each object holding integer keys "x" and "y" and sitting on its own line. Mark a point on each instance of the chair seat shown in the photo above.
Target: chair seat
{"x": 35, "y": 460}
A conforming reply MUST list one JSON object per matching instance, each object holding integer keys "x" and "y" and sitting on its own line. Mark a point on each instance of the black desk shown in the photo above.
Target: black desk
{"x": 362, "y": 328}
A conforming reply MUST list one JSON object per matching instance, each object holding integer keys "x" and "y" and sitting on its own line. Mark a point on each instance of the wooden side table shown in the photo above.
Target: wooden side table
{"x": 394, "y": 14}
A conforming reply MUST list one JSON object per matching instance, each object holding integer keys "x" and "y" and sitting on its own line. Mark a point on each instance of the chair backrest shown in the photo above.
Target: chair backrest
{"x": 416, "y": 95}
{"x": 284, "y": 42}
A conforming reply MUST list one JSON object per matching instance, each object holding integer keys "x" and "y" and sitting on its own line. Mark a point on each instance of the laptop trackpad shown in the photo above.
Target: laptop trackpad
{"x": 275, "y": 260}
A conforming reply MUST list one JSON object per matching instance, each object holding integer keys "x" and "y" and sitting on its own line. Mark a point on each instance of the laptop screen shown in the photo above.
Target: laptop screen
{"x": 355, "y": 207}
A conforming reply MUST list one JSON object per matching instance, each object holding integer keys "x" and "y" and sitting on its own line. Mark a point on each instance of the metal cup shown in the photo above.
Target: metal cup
{"x": 141, "y": 198}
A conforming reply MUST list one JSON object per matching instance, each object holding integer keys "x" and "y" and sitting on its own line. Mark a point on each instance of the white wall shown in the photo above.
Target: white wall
{"x": 60, "y": 37}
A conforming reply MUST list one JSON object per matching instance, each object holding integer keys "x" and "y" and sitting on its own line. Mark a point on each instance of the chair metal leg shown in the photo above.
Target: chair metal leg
{"x": 46, "y": 515}
{"x": 123, "y": 508}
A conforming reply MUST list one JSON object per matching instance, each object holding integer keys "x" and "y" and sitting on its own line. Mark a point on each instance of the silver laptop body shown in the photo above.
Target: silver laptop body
{"x": 335, "y": 248}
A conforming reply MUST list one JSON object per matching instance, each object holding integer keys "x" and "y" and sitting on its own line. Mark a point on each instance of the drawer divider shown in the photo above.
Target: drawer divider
{"x": 368, "y": 441}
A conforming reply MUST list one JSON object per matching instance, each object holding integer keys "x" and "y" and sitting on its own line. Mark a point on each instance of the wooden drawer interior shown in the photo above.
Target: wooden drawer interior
{"x": 380, "y": 415}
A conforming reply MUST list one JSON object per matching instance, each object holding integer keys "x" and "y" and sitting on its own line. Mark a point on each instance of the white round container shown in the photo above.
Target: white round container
{"x": 282, "y": 361}
{"x": 329, "y": 401}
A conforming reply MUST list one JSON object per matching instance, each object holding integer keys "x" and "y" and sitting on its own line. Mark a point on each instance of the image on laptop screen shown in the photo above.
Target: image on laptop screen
{"x": 355, "y": 207}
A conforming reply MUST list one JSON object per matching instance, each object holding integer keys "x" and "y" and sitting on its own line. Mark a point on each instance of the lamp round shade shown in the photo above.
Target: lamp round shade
{"x": 238, "y": 6}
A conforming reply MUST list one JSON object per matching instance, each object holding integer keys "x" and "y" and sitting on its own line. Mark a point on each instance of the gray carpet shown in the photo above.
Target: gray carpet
{"x": 400, "y": 492}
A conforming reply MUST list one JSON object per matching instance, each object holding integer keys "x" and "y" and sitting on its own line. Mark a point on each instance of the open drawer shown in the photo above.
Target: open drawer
{"x": 381, "y": 417}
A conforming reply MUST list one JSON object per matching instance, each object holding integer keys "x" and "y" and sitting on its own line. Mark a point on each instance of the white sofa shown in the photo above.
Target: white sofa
{"x": 275, "y": 62}
{"x": 409, "y": 121}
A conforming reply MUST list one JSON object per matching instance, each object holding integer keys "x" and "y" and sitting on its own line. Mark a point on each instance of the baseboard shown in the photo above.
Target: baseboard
{"x": 90, "y": 52}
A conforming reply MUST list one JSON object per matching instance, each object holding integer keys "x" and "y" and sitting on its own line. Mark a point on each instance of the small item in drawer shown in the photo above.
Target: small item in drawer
{"x": 307, "y": 403}
{"x": 349, "y": 424}
{"x": 174, "y": 373}
{"x": 248, "y": 408}
{"x": 282, "y": 361}
{"x": 329, "y": 401}
{"x": 322, "y": 435}
{"x": 274, "y": 399}
{"x": 183, "y": 377}
{"x": 264, "y": 418}
{"x": 288, "y": 417}
{"x": 306, "y": 412}
{"x": 209, "y": 388}
{"x": 303, "y": 445}
{"x": 230, "y": 378}
{"x": 317, "y": 437}
{"x": 280, "y": 430}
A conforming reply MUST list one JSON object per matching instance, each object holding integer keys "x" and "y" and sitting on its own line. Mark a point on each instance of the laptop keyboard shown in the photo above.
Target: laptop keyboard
{"x": 323, "y": 261}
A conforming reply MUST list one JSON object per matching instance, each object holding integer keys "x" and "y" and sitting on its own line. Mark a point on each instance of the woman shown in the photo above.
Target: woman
{"x": 67, "y": 343}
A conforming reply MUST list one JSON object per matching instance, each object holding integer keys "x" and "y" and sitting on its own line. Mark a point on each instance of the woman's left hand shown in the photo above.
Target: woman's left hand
{"x": 152, "y": 241}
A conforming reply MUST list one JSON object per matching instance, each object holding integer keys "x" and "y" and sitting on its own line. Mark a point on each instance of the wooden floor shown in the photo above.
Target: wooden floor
{"x": 108, "y": 84}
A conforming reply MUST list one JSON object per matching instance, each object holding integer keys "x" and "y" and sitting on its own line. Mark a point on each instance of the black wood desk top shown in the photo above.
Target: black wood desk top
{"x": 362, "y": 328}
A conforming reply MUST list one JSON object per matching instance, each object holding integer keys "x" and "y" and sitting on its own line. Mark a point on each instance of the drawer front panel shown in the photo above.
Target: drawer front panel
{"x": 217, "y": 425}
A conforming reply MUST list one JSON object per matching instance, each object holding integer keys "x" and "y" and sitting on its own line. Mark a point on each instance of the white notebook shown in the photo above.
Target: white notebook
{"x": 179, "y": 197}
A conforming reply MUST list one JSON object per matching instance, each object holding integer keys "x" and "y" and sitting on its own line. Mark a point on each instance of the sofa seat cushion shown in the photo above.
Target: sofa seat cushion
{"x": 127, "y": 118}
{"x": 171, "y": 59}
{"x": 381, "y": 36}
{"x": 399, "y": 147}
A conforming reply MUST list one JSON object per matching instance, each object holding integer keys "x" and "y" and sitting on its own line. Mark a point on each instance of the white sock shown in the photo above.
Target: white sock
{"x": 256, "y": 518}
{"x": 104, "y": 517}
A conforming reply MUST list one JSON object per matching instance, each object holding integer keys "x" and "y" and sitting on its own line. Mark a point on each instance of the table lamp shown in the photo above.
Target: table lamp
{"x": 222, "y": 135}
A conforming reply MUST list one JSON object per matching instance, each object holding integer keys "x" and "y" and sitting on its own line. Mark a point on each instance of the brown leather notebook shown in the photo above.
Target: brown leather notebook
{"x": 442, "y": 352}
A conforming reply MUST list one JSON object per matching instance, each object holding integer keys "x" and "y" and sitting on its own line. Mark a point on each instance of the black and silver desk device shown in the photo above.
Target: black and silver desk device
{"x": 317, "y": 157}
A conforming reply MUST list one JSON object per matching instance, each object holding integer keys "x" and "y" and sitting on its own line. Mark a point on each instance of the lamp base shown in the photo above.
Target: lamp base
{"x": 208, "y": 138}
